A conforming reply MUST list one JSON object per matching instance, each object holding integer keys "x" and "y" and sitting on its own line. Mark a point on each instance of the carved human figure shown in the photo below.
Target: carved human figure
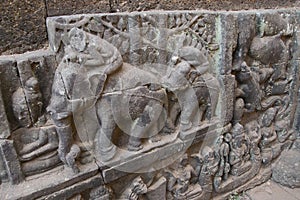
{"x": 37, "y": 148}
{"x": 224, "y": 150}
{"x": 27, "y": 103}
{"x": 253, "y": 131}
{"x": 268, "y": 134}
{"x": 20, "y": 108}
{"x": 183, "y": 179}
{"x": 209, "y": 168}
{"x": 248, "y": 87}
{"x": 282, "y": 130}
{"x": 78, "y": 83}
{"x": 239, "y": 149}
{"x": 267, "y": 129}
{"x": 34, "y": 98}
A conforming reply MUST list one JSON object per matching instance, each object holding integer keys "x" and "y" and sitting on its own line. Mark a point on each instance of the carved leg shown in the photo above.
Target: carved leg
{"x": 71, "y": 156}
{"x": 189, "y": 108}
{"x": 174, "y": 113}
{"x": 105, "y": 146}
{"x": 65, "y": 140}
{"x": 63, "y": 128}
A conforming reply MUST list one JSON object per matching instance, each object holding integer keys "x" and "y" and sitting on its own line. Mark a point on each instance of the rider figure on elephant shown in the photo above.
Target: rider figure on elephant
{"x": 78, "y": 83}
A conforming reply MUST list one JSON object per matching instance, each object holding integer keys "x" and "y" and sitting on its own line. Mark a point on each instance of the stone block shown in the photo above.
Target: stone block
{"x": 4, "y": 125}
{"x": 11, "y": 162}
{"x": 10, "y": 82}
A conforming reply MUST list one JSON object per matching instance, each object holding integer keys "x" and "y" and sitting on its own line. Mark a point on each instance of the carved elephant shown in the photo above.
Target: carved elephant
{"x": 133, "y": 101}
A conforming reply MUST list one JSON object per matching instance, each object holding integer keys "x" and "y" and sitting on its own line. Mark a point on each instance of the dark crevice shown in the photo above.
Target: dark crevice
{"x": 46, "y": 15}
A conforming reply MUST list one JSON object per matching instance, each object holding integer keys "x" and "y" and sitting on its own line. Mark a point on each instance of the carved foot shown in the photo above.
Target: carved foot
{"x": 133, "y": 147}
{"x": 155, "y": 138}
{"x": 108, "y": 153}
{"x": 71, "y": 157}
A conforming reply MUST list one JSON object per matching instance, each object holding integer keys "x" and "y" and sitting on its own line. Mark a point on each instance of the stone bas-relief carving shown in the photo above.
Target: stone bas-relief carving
{"x": 139, "y": 106}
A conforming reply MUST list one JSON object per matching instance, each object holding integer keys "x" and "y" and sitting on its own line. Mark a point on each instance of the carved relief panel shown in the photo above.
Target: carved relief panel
{"x": 153, "y": 105}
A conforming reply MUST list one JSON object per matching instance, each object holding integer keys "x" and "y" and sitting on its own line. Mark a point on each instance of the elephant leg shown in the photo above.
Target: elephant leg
{"x": 173, "y": 116}
{"x": 65, "y": 136}
{"x": 189, "y": 108}
{"x": 105, "y": 146}
{"x": 71, "y": 157}
{"x": 138, "y": 131}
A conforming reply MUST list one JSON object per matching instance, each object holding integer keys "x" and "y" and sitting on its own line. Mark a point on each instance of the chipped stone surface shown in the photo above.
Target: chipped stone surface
{"x": 285, "y": 171}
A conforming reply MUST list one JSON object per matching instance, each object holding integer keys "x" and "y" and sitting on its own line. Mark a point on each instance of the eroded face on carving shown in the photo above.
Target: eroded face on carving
{"x": 244, "y": 74}
{"x": 77, "y": 39}
{"x": 20, "y": 108}
{"x": 252, "y": 129}
{"x": 31, "y": 84}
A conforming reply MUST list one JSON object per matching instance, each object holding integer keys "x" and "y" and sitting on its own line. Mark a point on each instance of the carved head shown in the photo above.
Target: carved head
{"x": 20, "y": 108}
{"x": 32, "y": 84}
{"x": 207, "y": 154}
{"x": 244, "y": 73}
{"x": 184, "y": 160}
{"x": 252, "y": 129}
{"x": 78, "y": 39}
{"x": 228, "y": 137}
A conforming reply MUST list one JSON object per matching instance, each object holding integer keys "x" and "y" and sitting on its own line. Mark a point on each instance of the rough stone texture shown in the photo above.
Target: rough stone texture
{"x": 4, "y": 126}
{"x": 226, "y": 32}
{"x": 272, "y": 191}
{"x": 22, "y": 23}
{"x": 67, "y": 7}
{"x": 22, "y": 26}
{"x": 10, "y": 160}
{"x": 121, "y": 104}
{"x": 286, "y": 170}
{"x": 10, "y": 82}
